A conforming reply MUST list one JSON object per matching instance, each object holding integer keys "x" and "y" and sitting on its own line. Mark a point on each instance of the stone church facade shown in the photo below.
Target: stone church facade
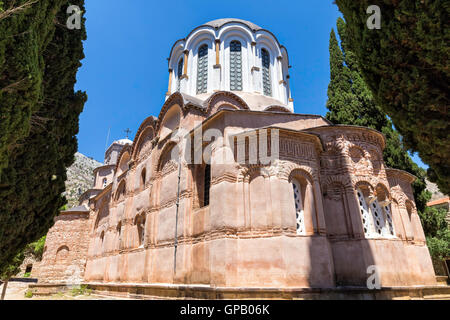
{"x": 323, "y": 213}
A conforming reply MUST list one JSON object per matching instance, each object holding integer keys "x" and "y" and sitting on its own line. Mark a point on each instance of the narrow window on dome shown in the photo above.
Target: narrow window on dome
{"x": 235, "y": 66}
{"x": 202, "y": 69}
{"x": 179, "y": 74}
{"x": 299, "y": 212}
{"x": 267, "y": 83}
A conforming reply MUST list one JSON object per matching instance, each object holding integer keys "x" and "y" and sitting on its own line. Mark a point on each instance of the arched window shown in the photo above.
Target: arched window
{"x": 120, "y": 193}
{"x": 207, "y": 185}
{"x": 202, "y": 69}
{"x": 267, "y": 82}
{"x": 105, "y": 183}
{"x": 179, "y": 74}
{"x": 143, "y": 179}
{"x": 377, "y": 218}
{"x": 299, "y": 212}
{"x": 235, "y": 66}
{"x": 365, "y": 215}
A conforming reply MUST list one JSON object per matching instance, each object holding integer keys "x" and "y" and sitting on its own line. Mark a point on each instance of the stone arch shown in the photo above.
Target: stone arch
{"x": 198, "y": 38}
{"x": 248, "y": 172}
{"x": 365, "y": 186}
{"x": 174, "y": 99}
{"x": 123, "y": 160}
{"x": 304, "y": 200}
{"x": 170, "y": 121}
{"x": 221, "y": 99}
{"x": 166, "y": 157}
{"x": 360, "y": 160}
{"x": 382, "y": 192}
{"x": 144, "y": 136}
{"x": 102, "y": 213}
{"x": 62, "y": 253}
{"x": 286, "y": 169}
{"x": 399, "y": 196}
{"x": 275, "y": 108}
{"x": 345, "y": 181}
{"x": 120, "y": 192}
{"x": 410, "y": 208}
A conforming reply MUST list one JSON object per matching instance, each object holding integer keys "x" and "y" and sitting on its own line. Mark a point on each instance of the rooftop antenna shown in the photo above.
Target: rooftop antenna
{"x": 107, "y": 139}
{"x": 128, "y": 131}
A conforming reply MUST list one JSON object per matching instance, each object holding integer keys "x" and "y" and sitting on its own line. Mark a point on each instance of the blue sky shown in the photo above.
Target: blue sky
{"x": 125, "y": 72}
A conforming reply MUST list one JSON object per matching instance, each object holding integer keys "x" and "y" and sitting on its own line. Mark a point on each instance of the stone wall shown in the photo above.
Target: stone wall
{"x": 65, "y": 249}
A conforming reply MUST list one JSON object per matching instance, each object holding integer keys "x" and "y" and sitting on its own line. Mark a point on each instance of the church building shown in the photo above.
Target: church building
{"x": 278, "y": 204}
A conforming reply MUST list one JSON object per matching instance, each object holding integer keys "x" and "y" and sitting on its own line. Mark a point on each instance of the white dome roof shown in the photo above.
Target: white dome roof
{"x": 220, "y": 22}
{"x": 123, "y": 141}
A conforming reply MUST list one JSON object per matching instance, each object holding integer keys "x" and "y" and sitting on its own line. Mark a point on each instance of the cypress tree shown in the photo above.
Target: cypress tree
{"x": 406, "y": 66}
{"x": 39, "y": 111}
{"x": 346, "y": 84}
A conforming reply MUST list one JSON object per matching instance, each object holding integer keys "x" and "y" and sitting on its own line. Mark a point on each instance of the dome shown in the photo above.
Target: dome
{"x": 123, "y": 142}
{"x": 220, "y": 22}
{"x": 233, "y": 55}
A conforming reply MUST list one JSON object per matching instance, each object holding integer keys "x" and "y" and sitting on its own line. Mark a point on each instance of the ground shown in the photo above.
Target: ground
{"x": 17, "y": 290}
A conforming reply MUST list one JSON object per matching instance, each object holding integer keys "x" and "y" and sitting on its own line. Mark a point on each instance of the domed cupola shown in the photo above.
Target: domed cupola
{"x": 231, "y": 55}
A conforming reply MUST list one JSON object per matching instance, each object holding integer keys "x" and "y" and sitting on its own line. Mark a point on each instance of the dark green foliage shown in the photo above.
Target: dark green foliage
{"x": 438, "y": 236}
{"x": 13, "y": 268}
{"x": 406, "y": 66}
{"x": 351, "y": 102}
{"x": 39, "y": 112}
{"x": 36, "y": 248}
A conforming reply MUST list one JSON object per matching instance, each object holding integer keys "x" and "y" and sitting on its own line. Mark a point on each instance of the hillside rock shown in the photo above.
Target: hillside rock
{"x": 80, "y": 178}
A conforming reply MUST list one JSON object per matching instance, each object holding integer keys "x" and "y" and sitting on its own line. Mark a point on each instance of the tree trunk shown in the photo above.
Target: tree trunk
{"x": 5, "y": 284}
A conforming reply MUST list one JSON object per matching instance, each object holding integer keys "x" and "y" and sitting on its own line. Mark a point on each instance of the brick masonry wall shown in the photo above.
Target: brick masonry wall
{"x": 65, "y": 251}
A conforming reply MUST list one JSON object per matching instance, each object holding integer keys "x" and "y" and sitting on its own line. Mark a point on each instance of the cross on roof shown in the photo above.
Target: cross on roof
{"x": 127, "y": 131}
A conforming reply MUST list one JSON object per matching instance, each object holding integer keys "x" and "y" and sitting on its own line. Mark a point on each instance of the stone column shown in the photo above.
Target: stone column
{"x": 169, "y": 90}
{"x": 184, "y": 78}
{"x": 320, "y": 215}
{"x": 419, "y": 235}
{"x": 185, "y": 66}
{"x": 309, "y": 210}
{"x": 355, "y": 214}
{"x": 407, "y": 223}
{"x": 255, "y": 72}
{"x": 217, "y": 69}
{"x": 217, "y": 42}
{"x": 287, "y": 208}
